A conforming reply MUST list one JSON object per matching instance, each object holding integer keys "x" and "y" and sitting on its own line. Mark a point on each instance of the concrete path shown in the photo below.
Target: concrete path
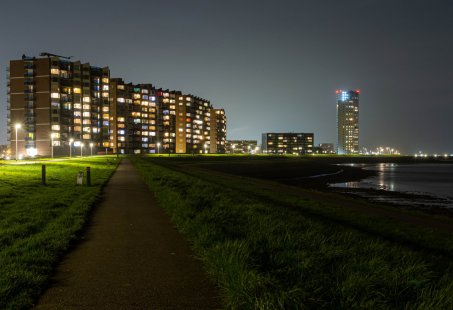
{"x": 131, "y": 258}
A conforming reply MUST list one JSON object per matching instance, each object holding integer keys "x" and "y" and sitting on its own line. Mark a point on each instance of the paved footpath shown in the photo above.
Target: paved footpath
{"x": 131, "y": 257}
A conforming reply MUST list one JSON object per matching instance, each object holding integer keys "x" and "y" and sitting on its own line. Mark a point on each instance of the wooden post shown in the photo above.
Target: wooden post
{"x": 43, "y": 175}
{"x": 88, "y": 176}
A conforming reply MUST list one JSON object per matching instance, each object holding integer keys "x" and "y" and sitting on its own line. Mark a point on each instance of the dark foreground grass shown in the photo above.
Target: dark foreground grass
{"x": 38, "y": 223}
{"x": 266, "y": 255}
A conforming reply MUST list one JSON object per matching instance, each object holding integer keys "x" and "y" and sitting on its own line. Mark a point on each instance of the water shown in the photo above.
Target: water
{"x": 435, "y": 180}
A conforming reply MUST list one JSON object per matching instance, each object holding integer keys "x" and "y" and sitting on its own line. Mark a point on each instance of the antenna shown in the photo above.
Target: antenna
{"x": 53, "y": 55}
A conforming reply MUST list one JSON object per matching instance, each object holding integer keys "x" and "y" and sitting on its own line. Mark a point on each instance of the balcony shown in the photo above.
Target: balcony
{"x": 29, "y": 121}
{"x": 29, "y": 105}
{"x": 29, "y": 65}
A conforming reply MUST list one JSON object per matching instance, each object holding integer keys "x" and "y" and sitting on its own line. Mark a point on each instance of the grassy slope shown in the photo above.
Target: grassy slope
{"x": 265, "y": 253}
{"x": 37, "y": 224}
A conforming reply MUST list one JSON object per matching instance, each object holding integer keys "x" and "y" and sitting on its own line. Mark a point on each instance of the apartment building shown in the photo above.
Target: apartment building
{"x": 133, "y": 118}
{"x": 287, "y": 143}
{"x": 325, "y": 148}
{"x": 241, "y": 146}
{"x": 56, "y": 105}
{"x": 218, "y": 131}
{"x": 53, "y": 101}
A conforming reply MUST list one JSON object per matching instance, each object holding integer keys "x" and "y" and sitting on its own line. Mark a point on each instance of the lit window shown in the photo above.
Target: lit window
{"x": 86, "y": 99}
{"x": 77, "y": 90}
{"x": 55, "y": 95}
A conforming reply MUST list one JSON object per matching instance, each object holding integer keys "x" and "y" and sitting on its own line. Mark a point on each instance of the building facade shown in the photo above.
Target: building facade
{"x": 133, "y": 118}
{"x": 288, "y": 143}
{"x": 241, "y": 146}
{"x": 56, "y": 102}
{"x": 193, "y": 124}
{"x": 56, "y": 105}
{"x": 218, "y": 131}
{"x": 326, "y": 148}
{"x": 348, "y": 121}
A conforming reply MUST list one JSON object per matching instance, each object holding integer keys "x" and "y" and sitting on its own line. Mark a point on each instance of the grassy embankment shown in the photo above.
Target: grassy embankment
{"x": 38, "y": 223}
{"x": 269, "y": 249}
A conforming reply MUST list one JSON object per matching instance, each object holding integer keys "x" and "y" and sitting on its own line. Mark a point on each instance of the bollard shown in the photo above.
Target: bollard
{"x": 88, "y": 176}
{"x": 79, "y": 178}
{"x": 43, "y": 175}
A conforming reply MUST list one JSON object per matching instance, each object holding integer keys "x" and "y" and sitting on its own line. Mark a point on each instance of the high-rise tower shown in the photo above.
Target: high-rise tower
{"x": 348, "y": 121}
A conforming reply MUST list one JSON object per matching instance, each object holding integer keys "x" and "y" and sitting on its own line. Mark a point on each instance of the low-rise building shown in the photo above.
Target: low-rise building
{"x": 325, "y": 148}
{"x": 241, "y": 146}
{"x": 287, "y": 143}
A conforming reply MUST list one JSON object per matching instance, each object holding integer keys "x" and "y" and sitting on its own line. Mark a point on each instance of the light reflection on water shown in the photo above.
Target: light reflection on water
{"x": 429, "y": 179}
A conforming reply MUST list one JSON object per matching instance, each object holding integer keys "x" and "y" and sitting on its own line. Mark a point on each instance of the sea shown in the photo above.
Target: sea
{"x": 432, "y": 183}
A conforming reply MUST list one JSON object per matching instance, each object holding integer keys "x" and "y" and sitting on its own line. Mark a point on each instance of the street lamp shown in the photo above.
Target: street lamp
{"x": 51, "y": 139}
{"x": 70, "y": 147}
{"x": 158, "y": 147}
{"x": 233, "y": 147}
{"x": 91, "y": 148}
{"x": 205, "y": 147}
{"x": 17, "y": 126}
{"x": 81, "y": 148}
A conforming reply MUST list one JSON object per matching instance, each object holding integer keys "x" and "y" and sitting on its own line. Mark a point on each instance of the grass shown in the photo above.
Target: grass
{"x": 39, "y": 223}
{"x": 271, "y": 250}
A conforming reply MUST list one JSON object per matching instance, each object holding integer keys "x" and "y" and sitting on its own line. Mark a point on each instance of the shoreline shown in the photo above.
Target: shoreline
{"x": 423, "y": 202}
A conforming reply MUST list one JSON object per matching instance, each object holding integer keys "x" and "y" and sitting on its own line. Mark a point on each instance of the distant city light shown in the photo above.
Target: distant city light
{"x": 381, "y": 150}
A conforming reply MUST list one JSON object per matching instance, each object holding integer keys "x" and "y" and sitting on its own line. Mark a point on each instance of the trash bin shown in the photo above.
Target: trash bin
{"x": 80, "y": 178}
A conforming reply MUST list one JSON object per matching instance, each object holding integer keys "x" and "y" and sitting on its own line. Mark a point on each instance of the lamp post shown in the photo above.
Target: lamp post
{"x": 158, "y": 147}
{"x": 51, "y": 139}
{"x": 81, "y": 148}
{"x": 17, "y": 126}
{"x": 233, "y": 146}
{"x": 70, "y": 147}
{"x": 91, "y": 148}
{"x": 205, "y": 147}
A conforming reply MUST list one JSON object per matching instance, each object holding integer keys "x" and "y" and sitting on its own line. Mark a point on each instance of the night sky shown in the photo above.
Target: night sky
{"x": 272, "y": 65}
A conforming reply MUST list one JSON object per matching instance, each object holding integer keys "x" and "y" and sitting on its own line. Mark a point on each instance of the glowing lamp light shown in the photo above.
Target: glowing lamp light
{"x": 32, "y": 152}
